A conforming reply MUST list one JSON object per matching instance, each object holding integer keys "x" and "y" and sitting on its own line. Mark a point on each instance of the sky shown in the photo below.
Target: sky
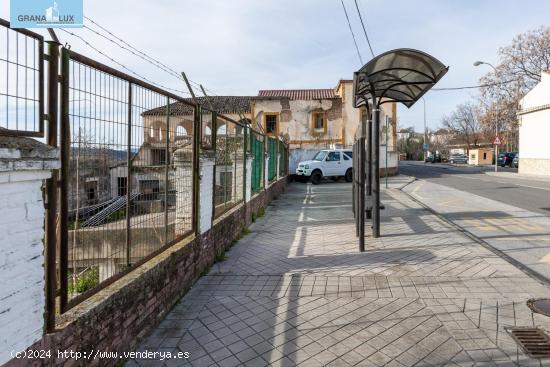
{"x": 240, "y": 46}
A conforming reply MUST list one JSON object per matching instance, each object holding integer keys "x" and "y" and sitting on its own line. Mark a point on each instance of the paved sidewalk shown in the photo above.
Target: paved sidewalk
{"x": 521, "y": 234}
{"x": 295, "y": 291}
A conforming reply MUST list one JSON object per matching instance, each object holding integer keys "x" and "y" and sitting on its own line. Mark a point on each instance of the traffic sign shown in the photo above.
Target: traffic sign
{"x": 425, "y": 146}
{"x": 496, "y": 141}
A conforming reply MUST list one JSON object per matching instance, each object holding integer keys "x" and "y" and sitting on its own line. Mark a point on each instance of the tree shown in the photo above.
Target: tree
{"x": 464, "y": 124}
{"x": 518, "y": 72}
{"x": 410, "y": 143}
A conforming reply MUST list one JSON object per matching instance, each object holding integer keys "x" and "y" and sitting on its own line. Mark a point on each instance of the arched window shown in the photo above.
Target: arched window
{"x": 222, "y": 130}
{"x": 180, "y": 131}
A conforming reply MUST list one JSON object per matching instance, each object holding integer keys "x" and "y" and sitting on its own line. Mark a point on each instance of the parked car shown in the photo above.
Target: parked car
{"x": 458, "y": 158}
{"x": 506, "y": 159}
{"x": 433, "y": 158}
{"x": 327, "y": 163}
{"x": 515, "y": 161}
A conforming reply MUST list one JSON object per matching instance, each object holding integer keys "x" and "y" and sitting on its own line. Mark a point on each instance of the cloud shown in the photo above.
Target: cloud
{"x": 240, "y": 46}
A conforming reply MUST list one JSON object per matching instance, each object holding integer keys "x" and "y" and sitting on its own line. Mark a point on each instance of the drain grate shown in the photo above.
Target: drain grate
{"x": 533, "y": 341}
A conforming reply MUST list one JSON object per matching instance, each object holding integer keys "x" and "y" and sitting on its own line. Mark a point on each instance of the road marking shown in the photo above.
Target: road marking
{"x": 505, "y": 182}
{"x": 546, "y": 259}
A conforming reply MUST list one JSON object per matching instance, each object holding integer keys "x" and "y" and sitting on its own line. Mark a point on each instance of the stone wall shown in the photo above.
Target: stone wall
{"x": 119, "y": 316}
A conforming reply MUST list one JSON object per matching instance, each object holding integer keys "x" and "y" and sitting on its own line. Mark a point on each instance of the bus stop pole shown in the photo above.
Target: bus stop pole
{"x": 375, "y": 170}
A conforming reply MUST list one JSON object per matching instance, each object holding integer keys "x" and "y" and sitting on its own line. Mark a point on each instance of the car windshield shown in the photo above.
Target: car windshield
{"x": 320, "y": 156}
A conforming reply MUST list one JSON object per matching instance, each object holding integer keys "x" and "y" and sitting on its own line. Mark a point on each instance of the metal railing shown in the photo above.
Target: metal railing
{"x": 272, "y": 154}
{"x": 21, "y": 82}
{"x": 257, "y": 147}
{"x": 230, "y": 164}
{"x": 127, "y": 178}
{"x": 283, "y": 159}
{"x": 128, "y": 186}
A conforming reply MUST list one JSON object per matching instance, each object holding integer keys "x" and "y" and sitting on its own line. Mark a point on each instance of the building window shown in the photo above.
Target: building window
{"x": 319, "y": 120}
{"x": 271, "y": 123}
{"x": 484, "y": 155}
{"x": 91, "y": 192}
{"x": 122, "y": 185}
{"x": 158, "y": 157}
{"x": 150, "y": 189}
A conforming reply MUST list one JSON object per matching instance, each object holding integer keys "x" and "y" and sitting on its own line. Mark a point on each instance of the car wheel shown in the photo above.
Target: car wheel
{"x": 349, "y": 175}
{"x": 316, "y": 177}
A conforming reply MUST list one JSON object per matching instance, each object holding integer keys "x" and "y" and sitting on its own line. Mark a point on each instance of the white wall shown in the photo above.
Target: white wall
{"x": 206, "y": 194}
{"x": 534, "y": 133}
{"x": 22, "y": 297}
{"x": 534, "y": 129}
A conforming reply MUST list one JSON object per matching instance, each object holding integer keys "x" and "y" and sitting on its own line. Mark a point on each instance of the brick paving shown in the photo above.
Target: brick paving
{"x": 296, "y": 292}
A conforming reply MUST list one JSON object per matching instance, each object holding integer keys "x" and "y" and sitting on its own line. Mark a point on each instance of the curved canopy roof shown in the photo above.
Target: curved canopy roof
{"x": 401, "y": 75}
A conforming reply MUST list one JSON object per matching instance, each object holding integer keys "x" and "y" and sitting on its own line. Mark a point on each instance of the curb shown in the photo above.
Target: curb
{"x": 528, "y": 271}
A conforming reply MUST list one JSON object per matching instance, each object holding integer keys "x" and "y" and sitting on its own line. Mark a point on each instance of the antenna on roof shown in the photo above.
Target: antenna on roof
{"x": 189, "y": 87}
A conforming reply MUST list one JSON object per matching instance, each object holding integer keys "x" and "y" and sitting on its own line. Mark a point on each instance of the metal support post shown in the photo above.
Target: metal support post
{"x": 375, "y": 168}
{"x": 51, "y": 188}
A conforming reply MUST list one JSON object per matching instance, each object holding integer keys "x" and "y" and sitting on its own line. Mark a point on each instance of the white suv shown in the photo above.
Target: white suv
{"x": 327, "y": 163}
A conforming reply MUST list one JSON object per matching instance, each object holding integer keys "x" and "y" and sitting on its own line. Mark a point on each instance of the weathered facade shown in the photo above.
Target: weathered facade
{"x": 308, "y": 119}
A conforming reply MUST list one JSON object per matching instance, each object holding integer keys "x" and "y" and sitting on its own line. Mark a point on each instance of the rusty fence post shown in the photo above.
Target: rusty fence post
{"x": 65, "y": 135}
{"x": 51, "y": 189}
{"x": 129, "y": 177}
{"x": 197, "y": 132}
{"x": 166, "y": 169}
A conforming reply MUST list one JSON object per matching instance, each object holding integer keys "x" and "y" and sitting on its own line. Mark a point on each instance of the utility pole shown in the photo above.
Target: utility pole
{"x": 425, "y": 132}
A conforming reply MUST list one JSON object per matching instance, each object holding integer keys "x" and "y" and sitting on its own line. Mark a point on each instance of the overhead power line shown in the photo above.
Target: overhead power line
{"x": 120, "y": 64}
{"x": 352, "y": 34}
{"x": 138, "y": 53}
{"x": 364, "y": 29}
{"x": 474, "y": 86}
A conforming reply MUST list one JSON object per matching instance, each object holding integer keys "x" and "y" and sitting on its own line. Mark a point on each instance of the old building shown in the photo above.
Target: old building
{"x": 308, "y": 119}
{"x": 313, "y": 119}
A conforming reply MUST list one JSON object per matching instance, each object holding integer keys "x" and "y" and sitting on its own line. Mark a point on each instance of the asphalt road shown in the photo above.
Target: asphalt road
{"x": 529, "y": 194}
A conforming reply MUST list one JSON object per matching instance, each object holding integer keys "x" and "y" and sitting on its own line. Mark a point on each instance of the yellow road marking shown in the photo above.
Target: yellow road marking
{"x": 546, "y": 259}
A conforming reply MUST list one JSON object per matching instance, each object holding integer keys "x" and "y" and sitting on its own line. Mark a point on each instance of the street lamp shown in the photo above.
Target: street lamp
{"x": 425, "y": 132}
{"x": 478, "y": 63}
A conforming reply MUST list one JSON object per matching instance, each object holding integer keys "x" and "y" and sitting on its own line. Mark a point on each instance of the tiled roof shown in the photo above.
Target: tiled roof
{"x": 298, "y": 94}
{"x": 221, "y": 104}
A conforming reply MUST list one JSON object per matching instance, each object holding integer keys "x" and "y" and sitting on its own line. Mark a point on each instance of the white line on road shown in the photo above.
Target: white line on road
{"x": 506, "y": 183}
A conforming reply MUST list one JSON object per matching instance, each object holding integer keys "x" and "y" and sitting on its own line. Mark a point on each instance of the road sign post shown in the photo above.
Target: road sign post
{"x": 496, "y": 143}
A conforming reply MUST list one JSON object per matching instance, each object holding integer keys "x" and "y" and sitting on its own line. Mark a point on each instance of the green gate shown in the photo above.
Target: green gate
{"x": 272, "y": 151}
{"x": 283, "y": 159}
{"x": 257, "y": 151}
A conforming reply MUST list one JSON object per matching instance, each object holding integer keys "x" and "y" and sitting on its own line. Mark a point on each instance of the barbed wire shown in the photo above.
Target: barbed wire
{"x": 122, "y": 65}
{"x": 139, "y": 53}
